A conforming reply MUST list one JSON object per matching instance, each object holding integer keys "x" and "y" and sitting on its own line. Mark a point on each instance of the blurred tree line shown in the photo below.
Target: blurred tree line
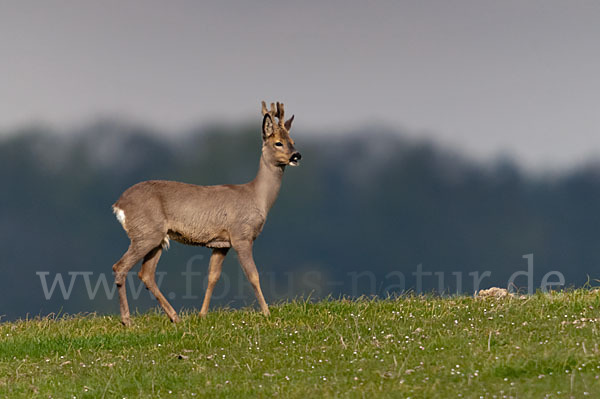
{"x": 357, "y": 217}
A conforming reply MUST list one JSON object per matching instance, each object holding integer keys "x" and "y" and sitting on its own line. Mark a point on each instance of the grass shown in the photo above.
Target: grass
{"x": 544, "y": 345}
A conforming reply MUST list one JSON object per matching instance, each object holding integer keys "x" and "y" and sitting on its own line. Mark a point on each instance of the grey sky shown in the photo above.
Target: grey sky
{"x": 520, "y": 77}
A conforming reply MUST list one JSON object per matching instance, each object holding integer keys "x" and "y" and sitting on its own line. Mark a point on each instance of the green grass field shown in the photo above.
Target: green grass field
{"x": 418, "y": 347}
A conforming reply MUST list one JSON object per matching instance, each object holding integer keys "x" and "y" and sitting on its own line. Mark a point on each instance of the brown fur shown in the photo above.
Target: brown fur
{"x": 218, "y": 217}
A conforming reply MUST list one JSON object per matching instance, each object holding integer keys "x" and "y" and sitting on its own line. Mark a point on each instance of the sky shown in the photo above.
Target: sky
{"x": 515, "y": 78}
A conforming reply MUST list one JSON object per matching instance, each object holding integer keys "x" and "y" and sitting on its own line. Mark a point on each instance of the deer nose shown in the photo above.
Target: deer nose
{"x": 295, "y": 157}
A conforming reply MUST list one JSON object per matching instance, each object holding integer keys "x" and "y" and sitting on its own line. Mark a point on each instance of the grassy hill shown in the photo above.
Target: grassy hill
{"x": 545, "y": 345}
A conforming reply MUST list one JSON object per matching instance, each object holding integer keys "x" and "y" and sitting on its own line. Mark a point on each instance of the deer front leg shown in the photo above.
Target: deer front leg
{"x": 214, "y": 272}
{"x": 244, "y": 251}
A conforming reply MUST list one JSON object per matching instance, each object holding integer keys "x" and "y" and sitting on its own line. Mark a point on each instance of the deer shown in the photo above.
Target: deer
{"x": 219, "y": 217}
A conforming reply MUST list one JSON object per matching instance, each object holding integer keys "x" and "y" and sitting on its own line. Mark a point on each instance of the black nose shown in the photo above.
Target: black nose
{"x": 296, "y": 157}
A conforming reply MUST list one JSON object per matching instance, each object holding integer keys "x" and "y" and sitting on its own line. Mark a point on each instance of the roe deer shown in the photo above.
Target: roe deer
{"x": 217, "y": 217}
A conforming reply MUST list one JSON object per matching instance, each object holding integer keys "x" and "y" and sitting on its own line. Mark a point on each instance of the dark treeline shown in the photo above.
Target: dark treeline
{"x": 359, "y": 216}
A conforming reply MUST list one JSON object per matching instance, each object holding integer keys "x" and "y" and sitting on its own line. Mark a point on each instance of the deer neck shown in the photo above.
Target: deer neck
{"x": 266, "y": 184}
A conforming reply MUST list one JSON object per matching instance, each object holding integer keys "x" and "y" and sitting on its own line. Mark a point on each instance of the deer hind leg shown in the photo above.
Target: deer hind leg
{"x": 244, "y": 251}
{"x": 137, "y": 250}
{"x": 214, "y": 272}
{"x": 147, "y": 275}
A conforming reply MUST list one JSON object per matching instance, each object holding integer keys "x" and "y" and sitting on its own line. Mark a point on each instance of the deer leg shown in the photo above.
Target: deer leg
{"x": 214, "y": 272}
{"x": 244, "y": 251}
{"x": 127, "y": 261}
{"x": 147, "y": 275}
{"x": 124, "y": 305}
{"x": 133, "y": 255}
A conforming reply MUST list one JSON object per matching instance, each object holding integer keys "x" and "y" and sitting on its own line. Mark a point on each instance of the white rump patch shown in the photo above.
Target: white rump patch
{"x": 120, "y": 214}
{"x": 165, "y": 243}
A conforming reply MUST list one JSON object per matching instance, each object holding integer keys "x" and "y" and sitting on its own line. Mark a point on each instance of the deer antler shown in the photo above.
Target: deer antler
{"x": 280, "y": 113}
{"x": 276, "y": 111}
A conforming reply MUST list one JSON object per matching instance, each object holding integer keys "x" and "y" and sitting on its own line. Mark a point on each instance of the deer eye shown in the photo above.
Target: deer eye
{"x": 279, "y": 144}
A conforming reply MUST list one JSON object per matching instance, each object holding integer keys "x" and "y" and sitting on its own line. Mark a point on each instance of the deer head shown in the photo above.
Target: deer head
{"x": 278, "y": 146}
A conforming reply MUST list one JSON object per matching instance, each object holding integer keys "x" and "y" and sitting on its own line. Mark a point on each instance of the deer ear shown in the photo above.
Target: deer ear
{"x": 288, "y": 123}
{"x": 267, "y": 127}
